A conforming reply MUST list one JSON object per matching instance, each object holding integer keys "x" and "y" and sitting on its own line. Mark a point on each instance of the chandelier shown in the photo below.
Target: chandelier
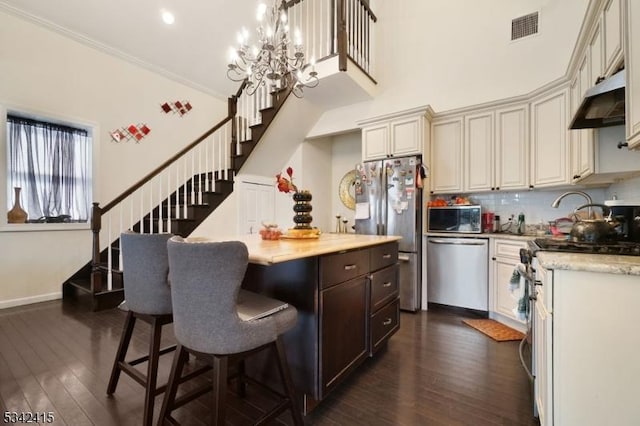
{"x": 273, "y": 61}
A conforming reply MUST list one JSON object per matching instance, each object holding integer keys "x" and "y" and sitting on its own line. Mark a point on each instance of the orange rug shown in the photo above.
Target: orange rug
{"x": 494, "y": 329}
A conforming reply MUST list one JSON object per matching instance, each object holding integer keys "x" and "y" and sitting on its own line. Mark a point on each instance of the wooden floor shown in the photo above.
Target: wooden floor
{"x": 435, "y": 371}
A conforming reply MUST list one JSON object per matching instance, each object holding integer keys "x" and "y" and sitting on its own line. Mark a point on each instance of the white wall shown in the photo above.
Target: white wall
{"x": 46, "y": 73}
{"x": 346, "y": 153}
{"x": 457, "y": 53}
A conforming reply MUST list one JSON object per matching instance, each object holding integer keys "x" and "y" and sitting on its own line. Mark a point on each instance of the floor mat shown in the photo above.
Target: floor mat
{"x": 494, "y": 329}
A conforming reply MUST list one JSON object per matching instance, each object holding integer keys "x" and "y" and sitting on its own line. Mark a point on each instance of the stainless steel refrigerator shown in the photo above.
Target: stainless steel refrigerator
{"x": 389, "y": 202}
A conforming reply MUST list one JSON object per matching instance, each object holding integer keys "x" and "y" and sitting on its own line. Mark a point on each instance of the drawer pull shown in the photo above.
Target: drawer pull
{"x": 349, "y": 267}
{"x": 387, "y": 322}
{"x": 387, "y": 284}
{"x": 386, "y": 256}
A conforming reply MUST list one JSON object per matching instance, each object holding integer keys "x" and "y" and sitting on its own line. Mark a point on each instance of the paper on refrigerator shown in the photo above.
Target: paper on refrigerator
{"x": 362, "y": 211}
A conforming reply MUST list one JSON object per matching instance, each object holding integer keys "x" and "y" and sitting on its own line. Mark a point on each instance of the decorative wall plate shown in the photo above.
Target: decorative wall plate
{"x": 347, "y": 190}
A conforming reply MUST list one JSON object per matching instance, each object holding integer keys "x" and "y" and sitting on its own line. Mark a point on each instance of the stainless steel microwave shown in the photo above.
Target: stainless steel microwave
{"x": 456, "y": 218}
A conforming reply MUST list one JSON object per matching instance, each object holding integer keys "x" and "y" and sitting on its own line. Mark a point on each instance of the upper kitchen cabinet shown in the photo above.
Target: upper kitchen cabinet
{"x": 612, "y": 31}
{"x": 512, "y": 147}
{"x": 550, "y": 139}
{"x": 446, "y": 155}
{"x": 394, "y": 135}
{"x": 632, "y": 65}
{"x": 495, "y": 146}
{"x": 582, "y": 140}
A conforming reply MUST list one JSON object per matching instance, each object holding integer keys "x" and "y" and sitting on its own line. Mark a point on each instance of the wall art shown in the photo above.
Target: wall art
{"x": 177, "y": 107}
{"x": 133, "y": 132}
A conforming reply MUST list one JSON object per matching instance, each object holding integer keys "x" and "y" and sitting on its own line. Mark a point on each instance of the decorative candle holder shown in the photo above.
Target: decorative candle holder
{"x": 302, "y": 209}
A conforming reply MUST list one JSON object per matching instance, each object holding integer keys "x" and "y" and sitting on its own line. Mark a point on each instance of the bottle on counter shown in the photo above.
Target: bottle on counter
{"x": 521, "y": 229}
{"x": 496, "y": 223}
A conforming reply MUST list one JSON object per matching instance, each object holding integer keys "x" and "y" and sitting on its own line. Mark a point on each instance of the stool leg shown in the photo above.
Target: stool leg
{"x": 218, "y": 410}
{"x": 179, "y": 359}
{"x": 242, "y": 385}
{"x": 287, "y": 382}
{"x": 127, "y": 331}
{"x": 152, "y": 372}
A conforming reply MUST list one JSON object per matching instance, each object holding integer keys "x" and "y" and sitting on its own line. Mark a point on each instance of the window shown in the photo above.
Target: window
{"x": 51, "y": 162}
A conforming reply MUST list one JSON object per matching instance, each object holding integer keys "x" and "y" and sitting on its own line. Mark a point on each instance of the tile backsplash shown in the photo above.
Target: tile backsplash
{"x": 536, "y": 205}
{"x": 628, "y": 190}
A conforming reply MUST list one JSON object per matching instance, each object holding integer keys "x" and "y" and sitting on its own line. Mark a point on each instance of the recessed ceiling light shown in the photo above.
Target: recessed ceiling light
{"x": 168, "y": 17}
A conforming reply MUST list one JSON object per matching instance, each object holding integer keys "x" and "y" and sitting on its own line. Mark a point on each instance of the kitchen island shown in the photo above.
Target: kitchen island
{"x": 346, "y": 290}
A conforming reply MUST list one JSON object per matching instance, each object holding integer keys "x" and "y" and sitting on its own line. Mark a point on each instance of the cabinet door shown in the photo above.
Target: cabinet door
{"x": 446, "y": 156}
{"x": 343, "y": 331}
{"x": 632, "y": 65}
{"x": 478, "y": 143}
{"x": 512, "y": 148}
{"x": 375, "y": 141}
{"x": 582, "y": 140}
{"x": 611, "y": 21}
{"x": 595, "y": 58}
{"x": 406, "y": 136}
{"x": 542, "y": 363}
{"x": 549, "y": 140}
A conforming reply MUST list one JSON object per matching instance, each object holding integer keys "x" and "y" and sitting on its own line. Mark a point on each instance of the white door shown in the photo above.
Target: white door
{"x": 256, "y": 204}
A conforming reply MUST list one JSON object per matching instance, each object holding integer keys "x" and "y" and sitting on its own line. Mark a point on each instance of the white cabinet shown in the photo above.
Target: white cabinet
{"x": 549, "y": 140}
{"x": 542, "y": 346}
{"x": 582, "y": 140}
{"x": 594, "y": 55}
{"x": 586, "y": 348}
{"x": 399, "y": 136}
{"x": 505, "y": 255}
{"x": 479, "y": 165}
{"x": 632, "y": 69}
{"x": 446, "y": 156}
{"x": 512, "y": 148}
{"x": 612, "y": 30}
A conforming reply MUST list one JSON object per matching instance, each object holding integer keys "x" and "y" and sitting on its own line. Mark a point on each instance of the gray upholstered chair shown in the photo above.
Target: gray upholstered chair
{"x": 147, "y": 298}
{"x": 205, "y": 282}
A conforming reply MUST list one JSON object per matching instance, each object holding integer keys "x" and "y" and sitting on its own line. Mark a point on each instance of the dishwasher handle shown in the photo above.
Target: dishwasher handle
{"x": 469, "y": 242}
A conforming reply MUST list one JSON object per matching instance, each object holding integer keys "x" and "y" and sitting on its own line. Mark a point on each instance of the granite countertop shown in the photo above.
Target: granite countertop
{"x": 605, "y": 263}
{"x": 490, "y": 235}
{"x": 265, "y": 252}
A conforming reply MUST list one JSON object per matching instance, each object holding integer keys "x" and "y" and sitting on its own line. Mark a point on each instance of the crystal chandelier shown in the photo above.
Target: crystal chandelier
{"x": 272, "y": 61}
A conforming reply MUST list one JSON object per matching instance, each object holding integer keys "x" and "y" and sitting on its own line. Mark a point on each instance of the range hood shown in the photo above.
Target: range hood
{"x": 603, "y": 104}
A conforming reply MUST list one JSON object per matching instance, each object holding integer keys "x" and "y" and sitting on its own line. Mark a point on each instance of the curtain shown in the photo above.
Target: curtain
{"x": 52, "y": 165}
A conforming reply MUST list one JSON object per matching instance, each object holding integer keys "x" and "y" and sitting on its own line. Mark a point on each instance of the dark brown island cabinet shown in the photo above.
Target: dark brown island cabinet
{"x": 348, "y": 308}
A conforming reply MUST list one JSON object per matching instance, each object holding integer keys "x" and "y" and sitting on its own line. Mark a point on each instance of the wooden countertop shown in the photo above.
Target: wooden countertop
{"x": 266, "y": 252}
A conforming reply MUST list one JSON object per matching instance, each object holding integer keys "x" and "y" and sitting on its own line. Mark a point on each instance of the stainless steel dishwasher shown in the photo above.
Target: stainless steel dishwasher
{"x": 458, "y": 272}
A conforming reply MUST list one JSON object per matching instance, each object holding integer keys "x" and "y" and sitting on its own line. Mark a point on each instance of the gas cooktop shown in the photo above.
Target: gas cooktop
{"x": 623, "y": 248}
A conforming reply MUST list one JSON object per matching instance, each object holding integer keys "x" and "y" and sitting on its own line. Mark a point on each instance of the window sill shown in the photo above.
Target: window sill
{"x": 44, "y": 227}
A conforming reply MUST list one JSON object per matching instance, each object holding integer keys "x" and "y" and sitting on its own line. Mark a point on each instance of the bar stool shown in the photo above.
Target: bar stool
{"x": 205, "y": 283}
{"x": 148, "y": 298}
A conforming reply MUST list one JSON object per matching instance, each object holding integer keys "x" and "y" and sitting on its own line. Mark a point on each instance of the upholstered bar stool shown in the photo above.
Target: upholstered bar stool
{"x": 205, "y": 283}
{"x": 148, "y": 298}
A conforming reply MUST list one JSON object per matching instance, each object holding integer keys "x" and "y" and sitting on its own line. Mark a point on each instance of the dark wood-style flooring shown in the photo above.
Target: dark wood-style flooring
{"x": 435, "y": 371}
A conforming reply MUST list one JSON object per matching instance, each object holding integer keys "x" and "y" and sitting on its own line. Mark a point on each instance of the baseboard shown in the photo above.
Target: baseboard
{"x": 29, "y": 300}
{"x": 508, "y": 321}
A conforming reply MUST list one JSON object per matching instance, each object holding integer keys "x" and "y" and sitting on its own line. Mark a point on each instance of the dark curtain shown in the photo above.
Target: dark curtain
{"x": 52, "y": 165}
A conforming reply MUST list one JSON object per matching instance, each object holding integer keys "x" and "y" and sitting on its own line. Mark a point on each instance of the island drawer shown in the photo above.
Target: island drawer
{"x": 340, "y": 267}
{"x": 384, "y": 286}
{"x": 383, "y": 255}
{"x": 384, "y": 324}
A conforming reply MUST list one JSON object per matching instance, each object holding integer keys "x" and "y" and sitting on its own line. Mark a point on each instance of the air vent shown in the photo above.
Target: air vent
{"x": 524, "y": 26}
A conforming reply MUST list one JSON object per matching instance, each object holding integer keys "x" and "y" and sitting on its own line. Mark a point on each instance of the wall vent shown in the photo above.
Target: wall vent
{"x": 524, "y": 26}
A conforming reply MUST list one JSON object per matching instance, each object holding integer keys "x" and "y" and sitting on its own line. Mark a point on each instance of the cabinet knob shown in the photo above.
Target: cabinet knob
{"x": 349, "y": 267}
{"x": 493, "y": 189}
{"x": 387, "y": 284}
{"x": 430, "y": 192}
{"x": 530, "y": 186}
{"x": 386, "y": 322}
{"x": 537, "y": 282}
{"x": 576, "y": 176}
{"x": 493, "y": 258}
{"x": 497, "y": 188}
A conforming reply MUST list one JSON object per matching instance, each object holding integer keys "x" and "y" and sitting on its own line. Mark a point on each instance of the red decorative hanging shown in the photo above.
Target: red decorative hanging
{"x": 135, "y": 132}
{"x": 177, "y": 107}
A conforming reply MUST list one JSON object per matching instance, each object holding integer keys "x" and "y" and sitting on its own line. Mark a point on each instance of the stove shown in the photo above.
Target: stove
{"x": 621, "y": 248}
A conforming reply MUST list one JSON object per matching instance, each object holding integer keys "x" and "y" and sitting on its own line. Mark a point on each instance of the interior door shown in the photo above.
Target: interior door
{"x": 256, "y": 205}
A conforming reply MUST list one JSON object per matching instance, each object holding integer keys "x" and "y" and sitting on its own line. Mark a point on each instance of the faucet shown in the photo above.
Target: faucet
{"x": 556, "y": 202}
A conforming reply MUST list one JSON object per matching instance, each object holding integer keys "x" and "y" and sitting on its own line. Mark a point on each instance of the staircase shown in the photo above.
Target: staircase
{"x": 179, "y": 194}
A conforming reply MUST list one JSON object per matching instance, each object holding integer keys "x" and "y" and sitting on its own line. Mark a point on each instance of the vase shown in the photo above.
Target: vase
{"x": 17, "y": 213}
{"x": 302, "y": 209}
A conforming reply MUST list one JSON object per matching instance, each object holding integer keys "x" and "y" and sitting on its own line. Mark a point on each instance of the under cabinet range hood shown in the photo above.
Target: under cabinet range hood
{"x": 602, "y": 105}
